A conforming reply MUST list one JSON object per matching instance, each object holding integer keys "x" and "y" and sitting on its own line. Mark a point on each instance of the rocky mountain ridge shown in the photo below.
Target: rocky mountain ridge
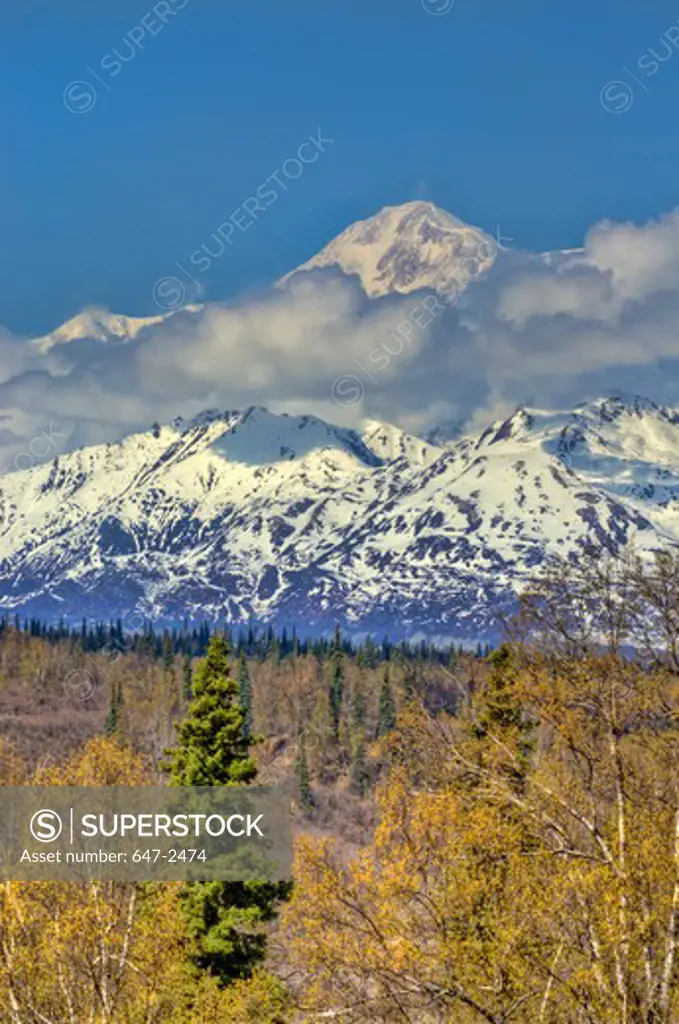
{"x": 253, "y": 516}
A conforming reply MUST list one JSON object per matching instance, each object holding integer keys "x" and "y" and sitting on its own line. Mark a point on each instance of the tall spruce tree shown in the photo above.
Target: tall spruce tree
{"x": 386, "y": 716}
{"x": 336, "y": 683}
{"x": 357, "y": 712}
{"x": 357, "y": 705}
{"x": 245, "y": 697}
{"x": 500, "y": 716}
{"x": 359, "y": 772}
{"x": 211, "y": 749}
{"x": 223, "y": 917}
{"x": 168, "y": 653}
{"x": 187, "y": 679}
{"x": 112, "y": 723}
{"x": 410, "y": 680}
{"x": 302, "y": 776}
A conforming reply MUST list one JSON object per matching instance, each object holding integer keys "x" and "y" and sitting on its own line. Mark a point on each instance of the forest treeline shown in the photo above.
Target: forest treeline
{"x": 478, "y": 839}
{"x": 255, "y": 642}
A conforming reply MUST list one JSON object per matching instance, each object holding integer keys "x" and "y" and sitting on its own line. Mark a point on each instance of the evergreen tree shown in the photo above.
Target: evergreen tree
{"x": 500, "y": 715}
{"x": 387, "y": 708}
{"x": 112, "y": 723}
{"x": 223, "y": 917}
{"x": 357, "y": 705}
{"x": 410, "y": 681}
{"x": 168, "y": 653}
{"x": 306, "y": 796}
{"x": 245, "y": 697}
{"x": 270, "y": 645}
{"x": 187, "y": 679}
{"x": 211, "y": 749}
{"x": 359, "y": 773}
{"x": 370, "y": 652}
{"x": 319, "y": 731}
{"x": 336, "y": 683}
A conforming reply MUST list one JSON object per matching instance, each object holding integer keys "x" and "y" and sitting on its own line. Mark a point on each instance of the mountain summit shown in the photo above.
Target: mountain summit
{"x": 406, "y": 248}
{"x": 96, "y": 325}
{"x": 400, "y": 249}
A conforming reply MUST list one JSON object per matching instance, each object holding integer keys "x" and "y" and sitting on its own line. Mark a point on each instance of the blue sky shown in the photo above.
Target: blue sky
{"x": 492, "y": 110}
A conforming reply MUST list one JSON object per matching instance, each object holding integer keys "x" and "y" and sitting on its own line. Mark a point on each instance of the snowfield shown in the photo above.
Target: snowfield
{"x": 291, "y": 520}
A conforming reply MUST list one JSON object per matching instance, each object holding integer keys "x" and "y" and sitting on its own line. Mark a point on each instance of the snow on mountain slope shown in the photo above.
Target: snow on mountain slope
{"x": 96, "y": 325}
{"x": 288, "y": 519}
{"x": 628, "y": 447}
{"x": 175, "y": 509}
{"x": 392, "y": 443}
{"x": 625, "y": 446}
{"x": 262, "y": 437}
{"x": 407, "y": 248}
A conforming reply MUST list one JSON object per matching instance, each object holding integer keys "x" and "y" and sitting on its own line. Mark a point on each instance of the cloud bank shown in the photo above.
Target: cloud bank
{"x": 545, "y": 329}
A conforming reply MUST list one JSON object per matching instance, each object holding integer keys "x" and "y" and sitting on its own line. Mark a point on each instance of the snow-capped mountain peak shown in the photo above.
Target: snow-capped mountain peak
{"x": 96, "y": 324}
{"x": 516, "y": 427}
{"x": 259, "y": 437}
{"x": 407, "y": 248}
{"x": 401, "y": 249}
{"x": 391, "y": 443}
{"x": 100, "y": 325}
{"x": 253, "y": 515}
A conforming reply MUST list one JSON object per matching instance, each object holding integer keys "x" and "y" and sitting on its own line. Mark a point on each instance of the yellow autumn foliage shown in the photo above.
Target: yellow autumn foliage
{"x": 525, "y": 868}
{"x": 110, "y": 952}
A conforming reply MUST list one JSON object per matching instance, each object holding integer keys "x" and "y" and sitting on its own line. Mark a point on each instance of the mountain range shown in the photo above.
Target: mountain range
{"x": 253, "y": 516}
{"x": 286, "y": 519}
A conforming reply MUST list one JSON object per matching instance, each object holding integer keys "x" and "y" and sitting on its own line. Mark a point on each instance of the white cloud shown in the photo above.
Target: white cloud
{"x": 620, "y": 264}
{"x": 576, "y": 293}
{"x": 549, "y": 330}
{"x": 642, "y": 261}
